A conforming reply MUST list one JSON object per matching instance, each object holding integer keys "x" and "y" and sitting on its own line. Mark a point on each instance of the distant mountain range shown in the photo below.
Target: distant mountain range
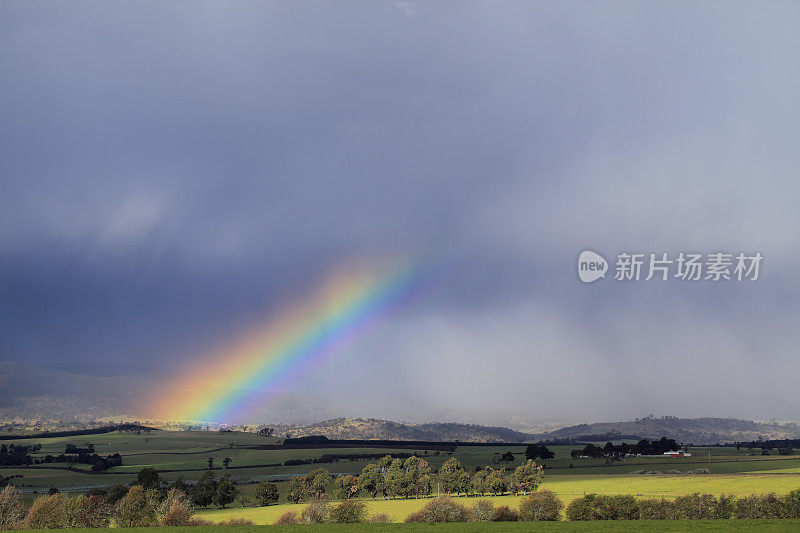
{"x": 688, "y": 430}
{"x": 31, "y": 393}
{"x": 371, "y": 428}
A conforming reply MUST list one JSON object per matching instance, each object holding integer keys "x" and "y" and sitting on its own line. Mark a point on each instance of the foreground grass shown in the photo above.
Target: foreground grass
{"x": 566, "y": 487}
{"x": 755, "y": 526}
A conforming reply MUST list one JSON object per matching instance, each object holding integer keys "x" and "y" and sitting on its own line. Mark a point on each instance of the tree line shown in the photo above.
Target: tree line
{"x": 393, "y": 477}
{"x": 643, "y": 447}
{"x": 12, "y": 455}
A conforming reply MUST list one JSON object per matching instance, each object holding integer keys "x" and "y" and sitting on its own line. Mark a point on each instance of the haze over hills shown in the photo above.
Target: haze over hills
{"x": 371, "y": 428}
{"x": 689, "y": 430}
{"x": 30, "y": 393}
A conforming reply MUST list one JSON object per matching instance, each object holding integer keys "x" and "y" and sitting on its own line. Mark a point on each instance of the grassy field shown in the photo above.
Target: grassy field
{"x": 566, "y": 487}
{"x": 185, "y": 455}
{"x": 665, "y": 526}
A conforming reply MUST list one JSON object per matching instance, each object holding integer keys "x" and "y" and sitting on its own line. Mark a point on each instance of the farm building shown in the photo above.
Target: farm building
{"x": 678, "y": 453}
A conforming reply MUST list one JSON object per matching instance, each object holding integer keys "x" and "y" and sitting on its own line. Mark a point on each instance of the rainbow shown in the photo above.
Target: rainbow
{"x": 226, "y": 386}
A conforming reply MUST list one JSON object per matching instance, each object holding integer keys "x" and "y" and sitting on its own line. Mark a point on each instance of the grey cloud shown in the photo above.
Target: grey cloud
{"x": 169, "y": 170}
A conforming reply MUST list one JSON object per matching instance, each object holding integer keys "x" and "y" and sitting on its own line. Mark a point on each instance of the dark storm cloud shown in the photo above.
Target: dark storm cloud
{"x": 170, "y": 170}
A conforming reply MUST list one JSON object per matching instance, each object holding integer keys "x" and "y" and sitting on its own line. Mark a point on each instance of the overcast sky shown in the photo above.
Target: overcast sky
{"x": 168, "y": 170}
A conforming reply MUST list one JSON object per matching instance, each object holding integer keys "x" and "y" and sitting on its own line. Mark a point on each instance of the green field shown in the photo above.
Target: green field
{"x": 184, "y": 454}
{"x": 566, "y": 487}
{"x": 666, "y": 526}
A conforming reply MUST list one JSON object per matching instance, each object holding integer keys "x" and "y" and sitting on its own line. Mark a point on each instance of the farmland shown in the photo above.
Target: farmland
{"x": 253, "y": 458}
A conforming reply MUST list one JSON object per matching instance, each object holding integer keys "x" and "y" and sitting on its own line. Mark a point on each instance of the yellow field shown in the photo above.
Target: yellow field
{"x": 567, "y": 488}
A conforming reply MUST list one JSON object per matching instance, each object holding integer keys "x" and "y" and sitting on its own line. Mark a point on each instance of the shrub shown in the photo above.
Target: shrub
{"x": 137, "y": 508}
{"x": 237, "y": 522}
{"x": 541, "y": 506}
{"x": 379, "y": 518}
{"x": 12, "y": 510}
{"x": 95, "y": 512}
{"x": 415, "y": 517}
{"x": 792, "y": 505}
{"x": 287, "y": 519}
{"x": 673, "y": 472}
{"x": 594, "y": 507}
{"x": 724, "y": 508}
{"x": 482, "y": 511}
{"x": 349, "y": 512}
{"x": 46, "y": 513}
{"x": 618, "y": 507}
{"x": 760, "y": 506}
{"x": 695, "y": 507}
{"x": 175, "y": 510}
{"x": 316, "y": 512}
{"x": 196, "y": 521}
{"x": 444, "y": 509}
{"x": 698, "y": 471}
{"x": 656, "y": 509}
{"x": 653, "y": 509}
{"x": 72, "y": 507}
{"x": 504, "y": 513}
{"x": 581, "y": 508}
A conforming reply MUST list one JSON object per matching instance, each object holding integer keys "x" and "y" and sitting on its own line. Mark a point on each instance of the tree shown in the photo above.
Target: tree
{"x": 345, "y": 487}
{"x": 316, "y": 482}
{"x": 116, "y": 493}
{"x": 450, "y": 475}
{"x": 267, "y": 493}
{"x": 496, "y": 481}
{"x": 464, "y": 483}
{"x": 415, "y": 470}
{"x": 507, "y": 457}
{"x": 395, "y": 478}
{"x": 226, "y": 492}
{"x": 210, "y": 463}
{"x": 296, "y": 489}
{"x": 180, "y": 484}
{"x": 226, "y": 462}
{"x": 529, "y": 476}
{"x": 538, "y": 451}
{"x": 148, "y": 479}
{"x": 425, "y": 484}
{"x": 205, "y": 489}
{"x": 478, "y": 482}
{"x": 371, "y": 479}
